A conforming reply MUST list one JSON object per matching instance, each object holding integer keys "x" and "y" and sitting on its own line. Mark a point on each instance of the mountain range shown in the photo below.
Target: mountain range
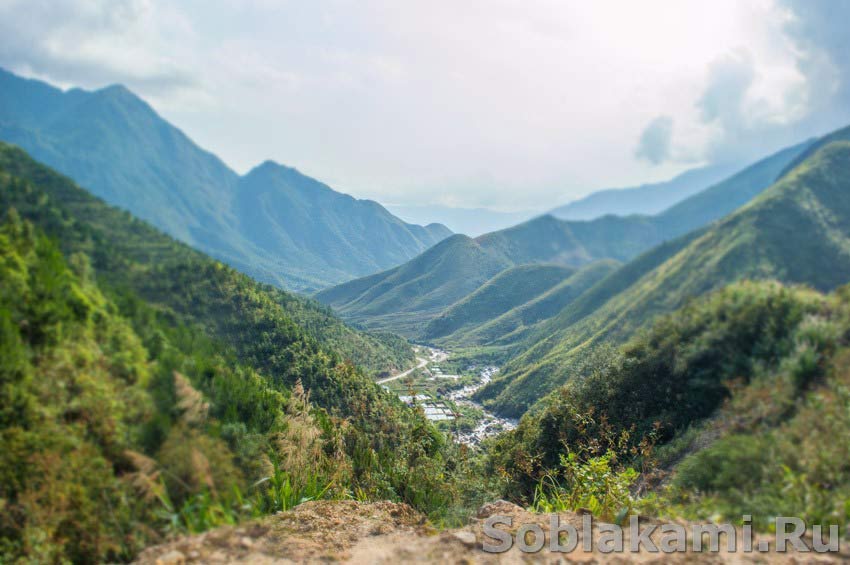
{"x": 469, "y": 221}
{"x": 407, "y": 298}
{"x": 645, "y": 199}
{"x": 150, "y": 387}
{"x": 274, "y": 223}
{"x": 795, "y": 232}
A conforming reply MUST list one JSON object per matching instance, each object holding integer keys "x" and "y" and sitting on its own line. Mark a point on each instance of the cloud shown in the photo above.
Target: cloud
{"x": 724, "y": 99}
{"x": 655, "y": 141}
{"x": 481, "y": 103}
{"x": 749, "y": 111}
{"x": 820, "y": 31}
{"x": 92, "y": 43}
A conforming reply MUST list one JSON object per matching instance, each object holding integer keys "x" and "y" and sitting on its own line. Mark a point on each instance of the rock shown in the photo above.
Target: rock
{"x": 467, "y": 538}
{"x": 173, "y": 557}
{"x": 498, "y": 507}
{"x": 246, "y": 542}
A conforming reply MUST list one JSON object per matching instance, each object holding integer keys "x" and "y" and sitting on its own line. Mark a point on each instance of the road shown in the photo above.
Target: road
{"x": 422, "y": 363}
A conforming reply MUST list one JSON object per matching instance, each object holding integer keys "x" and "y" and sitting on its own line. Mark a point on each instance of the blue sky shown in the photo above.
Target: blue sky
{"x": 505, "y": 105}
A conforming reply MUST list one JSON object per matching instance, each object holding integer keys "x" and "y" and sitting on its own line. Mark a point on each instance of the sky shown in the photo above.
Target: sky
{"x": 510, "y": 106}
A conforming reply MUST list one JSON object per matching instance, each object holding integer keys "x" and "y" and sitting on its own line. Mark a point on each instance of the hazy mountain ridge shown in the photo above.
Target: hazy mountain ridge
{"x": 646, "y": 199}
{"x": 468, "y": 221}
{"x": 115, "y": 144}
{"x": 545, "y": 239}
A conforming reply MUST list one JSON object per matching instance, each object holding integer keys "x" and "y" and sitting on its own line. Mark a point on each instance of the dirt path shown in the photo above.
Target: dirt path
{"x": 422, "y": 363}
{"x": 386, "y": 532}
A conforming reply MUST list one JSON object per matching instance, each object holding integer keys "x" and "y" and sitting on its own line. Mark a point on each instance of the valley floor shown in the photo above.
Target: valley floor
{"x": 444, "y": 390}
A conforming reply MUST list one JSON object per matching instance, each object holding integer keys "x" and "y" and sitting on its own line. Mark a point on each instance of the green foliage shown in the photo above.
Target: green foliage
{"x": 168, "y": 385}
{"x": 743, "y": 393}
{"x": 593, "y": 484}
{"x": 516, "y": 324}
{"x": 507, "y": 290}
{"x": 403, "y": 299}
{"x": 129, "y": 256}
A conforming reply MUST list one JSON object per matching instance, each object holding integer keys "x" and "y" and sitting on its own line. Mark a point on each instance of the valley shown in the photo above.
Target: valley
{"x": 211, "y": 359}
{"x": 446, "y": 398}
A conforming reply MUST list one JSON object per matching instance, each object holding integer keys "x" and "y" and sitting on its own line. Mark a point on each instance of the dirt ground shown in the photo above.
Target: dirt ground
{"x": 386, "y": 532}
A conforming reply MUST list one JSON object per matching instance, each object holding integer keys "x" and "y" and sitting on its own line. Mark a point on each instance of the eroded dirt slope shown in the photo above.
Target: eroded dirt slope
{"x": 385, "y": 532}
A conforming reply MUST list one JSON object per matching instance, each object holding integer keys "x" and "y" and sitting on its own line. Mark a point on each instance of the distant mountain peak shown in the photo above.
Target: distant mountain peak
{"x": 275, "y": 223}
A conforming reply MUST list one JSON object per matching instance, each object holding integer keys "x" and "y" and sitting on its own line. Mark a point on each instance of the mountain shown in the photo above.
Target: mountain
{"x": 275, "y": 224}
{"x": 511, "y": 326}
{"x": 724, "y": 402}
{"x": 507, "y": 290}
{"x": 469, "y": 221}
{"x": 404, "y": 298}
{"x": 158, "y": 391}
{"x": 395, "y": 300}
{"x": 646, "y": 199}
{"x": 129, "y": 253}
{"x": 319, "y": 232}
{"x": 798, "y": 231}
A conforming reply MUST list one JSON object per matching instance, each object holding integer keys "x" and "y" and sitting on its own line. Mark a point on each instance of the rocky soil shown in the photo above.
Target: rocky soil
{"x": 385, "y": 532}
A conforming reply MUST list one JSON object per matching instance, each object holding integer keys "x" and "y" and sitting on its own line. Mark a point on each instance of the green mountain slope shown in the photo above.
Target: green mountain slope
{"x": 265, "y": 224}
{"x": 798, "y": 231}
{"x": 507, "y": 290}
{"x": 730, "y": 399}
{"x": 375, "y": 302}
{"x": 143, "y": 259}
{"x": 405, "y": 298}
{"x": 516, "y": 324}
{"x": 96, "y": 317}
{"x": 319, "y": 232}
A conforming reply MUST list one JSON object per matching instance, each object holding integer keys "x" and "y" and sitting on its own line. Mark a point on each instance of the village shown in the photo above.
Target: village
{"x": 443, "y": 392}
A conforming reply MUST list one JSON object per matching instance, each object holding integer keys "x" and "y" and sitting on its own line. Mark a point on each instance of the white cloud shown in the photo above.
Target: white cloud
{"x": 480, "y": 103}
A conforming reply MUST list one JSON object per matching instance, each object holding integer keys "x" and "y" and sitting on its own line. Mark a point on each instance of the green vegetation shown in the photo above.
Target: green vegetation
{"x": 513, "y": 325}
{"x": 795, "y": 232}
{"x": 405, "y": 298}
{"x": 507, "y": 290}
{"x": 742, "y": 393}
{"x": 149, "y": 390}
{"x": 275, "y": 224}
{"x": 130, "y": 254}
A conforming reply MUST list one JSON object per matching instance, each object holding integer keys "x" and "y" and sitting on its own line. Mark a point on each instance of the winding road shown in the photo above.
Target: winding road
{"x": 422, "y": 363}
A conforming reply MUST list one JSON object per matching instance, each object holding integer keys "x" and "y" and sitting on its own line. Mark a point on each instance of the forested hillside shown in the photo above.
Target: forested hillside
{"x": 150, "y": 390}
{"x": 505, "y": 327}
{"x": 507, "y": 290}
{"x": 735, "y": 404}
{"x": 795, "y": 232}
